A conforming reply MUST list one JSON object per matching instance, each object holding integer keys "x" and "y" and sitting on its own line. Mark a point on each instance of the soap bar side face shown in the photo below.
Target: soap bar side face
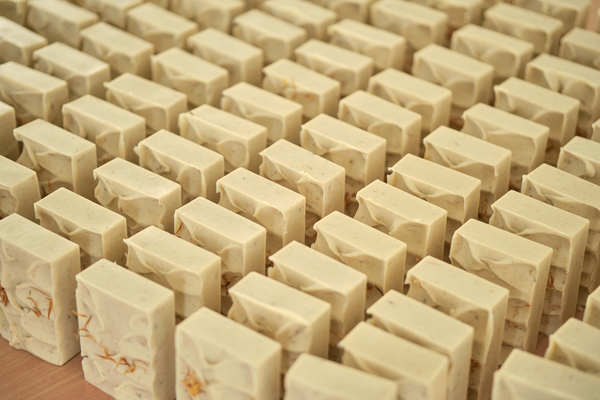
{"x": 574, "y": 345}
{"x": 581, "y": 46}
{"x": 592, "y": 309}
{"x": 19, "y": 189}
{"x": 18, "y": 42}
{"x": 216, "y": 14}
{"x": 312, "y": 18}
{"x": 581, "y": 157}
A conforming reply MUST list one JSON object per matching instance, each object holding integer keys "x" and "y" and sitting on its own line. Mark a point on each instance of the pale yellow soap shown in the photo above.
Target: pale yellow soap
{"x": 19, "y": 189}
{"x": 8, "y": 122}
{"x": 581, "y": 157}
{"x": 111, "y": 11}
{"x": 571, "y": 13}
{"x": 14, "y": 10}
{"x": 216, "y": 14}
{"x": 581, "y": 46}
{"x": 357, "y": 10}
{"x": 314, "y": 19}
{"x": 575, "y": 344}
{"x": 592, "y": 309}
{"x": 17, "y": 43}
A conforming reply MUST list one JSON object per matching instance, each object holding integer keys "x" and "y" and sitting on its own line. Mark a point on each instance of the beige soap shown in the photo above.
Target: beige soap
{"x": 31, "y": 93}
{"x": 596, "y": 131}
{"x": 215, "y": 356}
{"x": 298, "y": 321}
{"x": 581, "y": 157}
{"x": 8, "y": 122}
{"x": 357, "y": 10}
{"x": 238, "y": 140}
{"x": 14, "y": 10}
{"x": 312, "y": 18}
{"x": 18, "y": 43}
{"x": 431, "y": 329}
{"x": 194, "y": 167}
{"x": 123, "y": 51}
{"x": 126, "y": 325}
{"x": 98, "y": 231}
{"x": 19, "y": 189}
{"x": 575, "y": 344}
{"x": 571, "y": 13}
{"x": 216, "y": 14}
{"x": 37, "y": 290}
{"x": 592, "y": 309}
{"x": 142, "y": 197}
{"x": 459, "y": 12}
{"x": 581, "y": 46}
{"x": 111, "y": 11}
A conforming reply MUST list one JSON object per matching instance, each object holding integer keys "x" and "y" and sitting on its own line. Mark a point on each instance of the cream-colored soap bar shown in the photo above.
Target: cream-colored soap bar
{"x": 298, "y": 321}
{"x": 323, "y": 379}
{"x": 427, "y": 327}
{"x": 8, "y": 122}
{"x": 31, "y": 93}
{"x": 158, "y": 104}
{"x": 15, "y": 10}
{"x": 98, "y": 231}
{"x": 312, "y": 18}
{"x": 592, "y": 309}
{"x": 581, "y": 157}
{"x": 352, "y": 70}
{"x": 60, "y": 158}
{"x": 201, "y": 81}
{"x": 111, "y": 11}
{"x": 575, "y": 344}
{"x": 596, "y": 131}
{"x": 191, "y": 272}
{"x": 59, "y": 21}
{"x": 467, "y": 154}
{"x": 216, "y": 14}
{"x": 357, "y": 10}
{"x": 327, "y": 279}
{"x": 508, "y": 55}
{"x": 571, "y": 13}
{"x": 248, "y": 363}
{"x": 19, "y": 189}
{"x": 237, "y": 139}
{"x": 526, "y": 140}
{"x": 243, "y": 61}
{"x": 454, "y": 191}
{"x": 419, "y": 224}
{"x": 459, "y": 12}
{"x": 18, "y": 43}
{"x": 401, "y": 128}
{"x": 431, "y": 101}
{"x": 83, "y": 73}
{"x": 420, "y": 373}
{"x": 162, "y": 28}
{"x": 194, "y": 167}
{"x": 581, "y": 46}
{"x": 142, "y": 197}
{"x": 126, "y": 325}
{"x": 565, "y": 232}
{"x": 316, "y": 92}
{"x": 387, "y": 49}
{"x": 472, "y": 300}
{"x": 276, "y": 37}
{"x": 37, "y": 290}
{"x": 524, "y": 375}
{"x": 281, "y": 117}
{"x": 123, "y": 51}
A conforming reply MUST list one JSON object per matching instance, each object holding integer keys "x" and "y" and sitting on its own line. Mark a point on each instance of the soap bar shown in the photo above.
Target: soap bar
{"x": 162, "y": 28}
{"x": 454, "y": 191}
{"x": 111, "y": 11}
{"x": 60, "y": 158}
{"x": 565, "y": 232}
{"x": 318, "y": 378}
{"x": 298, "y": 321}
{"x": 158, "y": 104}
{"x": 281, "y": 117}
{"x": 243, "y": 61}
{"x": 216, "y": 355}
{"x": 357, "y": 10}
{"x": 571, "y": 13}
{"x": 420, "y": 373}
{"x": 276, "y": 37}
{"x": 581, "y": 46}
{"x": 401, "y": 128}
{"x": 237, "y": 139}
{"x": 142, "y": 197}
{"x": 126, "y": 324}
{"x": 419, "y": 224}
{"x": 352, "y": 70}
{"x": 596, "y": 131}
{"x": 31, "y": 93}
{"x": 387, "y": 49}
{"x": 123, "y": 51}
{"x": 37, "y": 290}
{"x": 14, "y": 10}
{"x": 18, "y": 43}
{"x": 99, "y": 232}
{"x": 8, "y": 122}
{"x": 312, "y": 18}
{"x": 191, "y": 272}
{"x": 431, "y": 329}
{"x": 316, "y": 92}
{"x": 83, "y": 73}
{"x": 459, "y": 12}
{"x": 201, "y": 81}
{"x": 216, "y": 14}
{"x": 472, "y": 300}
{"x": 581, "y": 157}
{"x": 59, "y": 21}
{"x": 19, "y": 189}
{"x": 114, "y": 130}
{"x": 508, "y": 55}
{"x": 575, "y": 344}
{"x": 592, "y": 309}
{"x": 467, "y": 154}
{"x": 526, "y": 140}
{"x": 431, "y": 101}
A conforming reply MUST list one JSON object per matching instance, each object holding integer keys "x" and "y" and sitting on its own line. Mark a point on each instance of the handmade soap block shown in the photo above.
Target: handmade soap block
{"x": 459, "y": 12}
{"x": 60, "y": 158}
{"x": 15, "y": 10}
{"x": 194, "y": 167}
{"x": 575, "y": 344}
{"x": 142, "y": 197}
{"x": 215, "y": 14}
{"x": 123, "y": 51}
{"x": 31, "y": 93}
{"x": 158, "y": 104}
{"x": 216, "y": 356}
{"x": 312, "y": 18}
{"x": 111, "y": 11}
{"x": 8, "y": 122}
{"x": 357, "y": 10}
{"x": 592, "y": 309}
{"x": 596, "y": 131}
{"x": 298, "y": 321}
{"x": 581, "y": 157}
{"x": 37, "y": 290}
{"x": 99, "y": 232}
{"x": 19, "y": 189}
{"x": 571, "y": 13}
{"x": 18, "y": 43}
{"x": 427, "y": 327}
{"x": 126, "y": 325}
{"x": 581, "y": 46}
{"x": 238, "y": 140}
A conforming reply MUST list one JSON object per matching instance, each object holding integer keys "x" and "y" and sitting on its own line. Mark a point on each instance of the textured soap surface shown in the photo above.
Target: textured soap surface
{"x": 19, "y": 189}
